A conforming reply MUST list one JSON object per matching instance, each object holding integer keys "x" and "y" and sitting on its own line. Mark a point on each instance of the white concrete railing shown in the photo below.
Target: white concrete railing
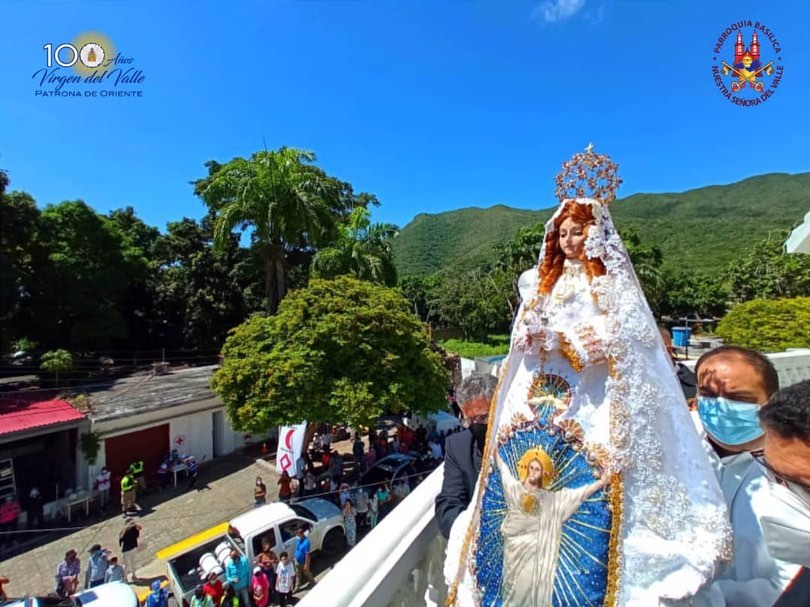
{"x": 399, "y": 563}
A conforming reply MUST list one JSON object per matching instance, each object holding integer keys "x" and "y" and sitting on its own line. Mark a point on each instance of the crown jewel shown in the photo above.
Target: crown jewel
{"x": 588, "y": 175}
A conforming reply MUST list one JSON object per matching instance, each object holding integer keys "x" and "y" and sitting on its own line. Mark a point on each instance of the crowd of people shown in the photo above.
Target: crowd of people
{"x": 102, "y": 565}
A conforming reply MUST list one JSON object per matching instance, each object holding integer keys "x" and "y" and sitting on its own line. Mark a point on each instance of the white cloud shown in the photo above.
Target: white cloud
{"x": 552, "y": 11}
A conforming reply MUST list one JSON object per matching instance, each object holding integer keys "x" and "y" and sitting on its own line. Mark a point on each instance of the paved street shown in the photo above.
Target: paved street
{"x": 225, "y": 490}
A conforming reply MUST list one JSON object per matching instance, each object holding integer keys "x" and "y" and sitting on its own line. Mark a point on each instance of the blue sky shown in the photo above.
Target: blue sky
{"x": 432, "y": 105}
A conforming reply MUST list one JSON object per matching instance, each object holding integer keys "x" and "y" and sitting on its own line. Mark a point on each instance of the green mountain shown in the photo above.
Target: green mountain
{"x": 701, "y": 230}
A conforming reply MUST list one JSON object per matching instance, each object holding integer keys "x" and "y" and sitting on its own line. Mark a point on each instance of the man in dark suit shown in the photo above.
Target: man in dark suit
{"x": 463, "y": 450}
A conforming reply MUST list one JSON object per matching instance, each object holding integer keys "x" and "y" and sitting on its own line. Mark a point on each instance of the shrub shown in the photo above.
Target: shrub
{"x": 493, "y": 346}
{"x": 768, "y": 325}
{"x": 55, "y": 362}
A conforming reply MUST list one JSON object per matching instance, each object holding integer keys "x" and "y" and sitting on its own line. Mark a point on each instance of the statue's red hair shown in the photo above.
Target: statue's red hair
{"x": 552, "y": 265}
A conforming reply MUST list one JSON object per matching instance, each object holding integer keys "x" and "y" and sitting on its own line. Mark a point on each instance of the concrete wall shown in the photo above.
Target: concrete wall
{"x": 197, "y": 431}
{"x": 229, "y": 439}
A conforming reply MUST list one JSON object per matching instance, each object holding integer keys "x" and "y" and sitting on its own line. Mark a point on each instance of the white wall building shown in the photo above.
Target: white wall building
{"x": 145, "y": 417}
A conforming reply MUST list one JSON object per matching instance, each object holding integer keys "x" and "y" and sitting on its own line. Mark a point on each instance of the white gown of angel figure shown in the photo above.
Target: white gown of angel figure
{"x": 600, "y": 334}
{"x": 531, "y": 540}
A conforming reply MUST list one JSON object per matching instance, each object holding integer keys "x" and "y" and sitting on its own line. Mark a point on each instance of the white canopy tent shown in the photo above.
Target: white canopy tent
{"x": 799, "y": 239}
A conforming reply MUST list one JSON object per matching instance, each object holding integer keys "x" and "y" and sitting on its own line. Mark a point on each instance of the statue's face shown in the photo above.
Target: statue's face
{"x": 535, "y": 474}
{"x": 572, "y": 238}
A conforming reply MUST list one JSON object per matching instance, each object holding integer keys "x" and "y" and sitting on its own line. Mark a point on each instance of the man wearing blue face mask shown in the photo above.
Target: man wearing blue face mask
{"x": 786, "y": 462}
{"x": 733, "y": 384}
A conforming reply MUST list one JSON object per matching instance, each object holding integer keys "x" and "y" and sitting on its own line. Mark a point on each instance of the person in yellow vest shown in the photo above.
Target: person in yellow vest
{"x": 136, "y": 468}
{"x": 128, "y": 493}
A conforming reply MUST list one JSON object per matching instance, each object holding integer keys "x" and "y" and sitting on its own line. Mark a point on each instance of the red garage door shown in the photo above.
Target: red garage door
{"x": 150, "y": 445}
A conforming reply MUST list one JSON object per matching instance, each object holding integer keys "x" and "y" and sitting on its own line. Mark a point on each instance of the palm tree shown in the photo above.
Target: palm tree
{"x": 282, "y": 197}
{"x": 363, "y": 250}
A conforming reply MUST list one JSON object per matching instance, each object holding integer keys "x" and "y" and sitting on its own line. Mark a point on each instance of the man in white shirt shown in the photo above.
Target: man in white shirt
{"x": 401, "y": 490}
{"x": 361, "y": 507}
{"x": 786, "y": 461}
{"x": 733, "y": 384}
{"x": 103, "y": 482}
{"x": 285, "y": 579}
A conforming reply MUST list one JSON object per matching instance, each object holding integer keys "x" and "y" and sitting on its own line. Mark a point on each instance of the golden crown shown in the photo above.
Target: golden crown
{"x": 588, "y": 175}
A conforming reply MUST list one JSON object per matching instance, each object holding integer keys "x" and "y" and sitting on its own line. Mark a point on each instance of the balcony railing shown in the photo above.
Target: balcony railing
{"x": 399, "y": 563}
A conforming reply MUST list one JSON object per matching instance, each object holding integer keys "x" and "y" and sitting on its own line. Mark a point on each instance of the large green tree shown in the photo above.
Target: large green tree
{"x": 422, "y": 293}
{"x": 475, "y": 301}
{"x": 362, "y": 250}
{"x": 686, "y": 294}
{"x": 340, "y": 350}
{"x": 200, "y": 291}
{"x": 646, "y": 260}
{"x": 137, "y": 304}
{"x": 765, "y": 271}
{"x": 82, "y": 273}
{"x": 19, "y": 219}
{"x": 518, "y": 255}
{"x": 282, "y": 198}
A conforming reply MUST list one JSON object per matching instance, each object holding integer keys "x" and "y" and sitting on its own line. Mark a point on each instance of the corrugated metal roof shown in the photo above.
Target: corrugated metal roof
{"x": 147, "y": 392}
{"x": 20, "y": 416}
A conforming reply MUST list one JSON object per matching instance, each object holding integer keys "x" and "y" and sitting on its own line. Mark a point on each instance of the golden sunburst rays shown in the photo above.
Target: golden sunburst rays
{"x": 549, "y": 390}
{"x": 569, "y": 570}
{"x": 576, "y": 563}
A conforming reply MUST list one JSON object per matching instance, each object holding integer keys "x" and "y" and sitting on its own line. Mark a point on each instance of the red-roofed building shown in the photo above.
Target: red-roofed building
{"x": 39, "y": 448}
{"x": 22, "y": 418}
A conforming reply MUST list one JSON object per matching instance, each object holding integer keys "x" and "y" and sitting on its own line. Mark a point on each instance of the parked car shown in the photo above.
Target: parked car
{"x": 191, "y": 560}
{"x": 390, "y": 469}
{"x": 114, "y": 594}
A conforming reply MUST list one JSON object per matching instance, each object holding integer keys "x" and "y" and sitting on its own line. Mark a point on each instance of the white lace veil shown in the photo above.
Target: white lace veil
{"x": 674, "y": 528}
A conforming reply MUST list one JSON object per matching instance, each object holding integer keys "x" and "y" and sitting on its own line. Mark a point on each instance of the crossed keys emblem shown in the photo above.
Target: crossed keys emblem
{"x": 750, "y": 77}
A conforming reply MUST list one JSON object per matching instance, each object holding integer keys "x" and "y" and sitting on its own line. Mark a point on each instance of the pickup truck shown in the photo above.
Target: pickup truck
{"x": 189, "y": 562}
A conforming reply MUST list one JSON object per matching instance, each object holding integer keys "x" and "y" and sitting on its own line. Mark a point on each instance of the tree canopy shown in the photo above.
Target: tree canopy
{"x": 340, "y": 350}
{"x": 362, "y": 250}
{"x": 765, "y": 271}
{"x": 96, "y": 283}
{"x": 283, "y": 198}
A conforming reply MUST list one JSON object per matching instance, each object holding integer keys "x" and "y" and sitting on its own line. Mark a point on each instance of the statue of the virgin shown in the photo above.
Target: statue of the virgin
{"x": 594, "y": 488}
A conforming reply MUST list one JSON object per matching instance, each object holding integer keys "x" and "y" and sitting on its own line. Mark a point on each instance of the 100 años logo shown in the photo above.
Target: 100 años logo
{"x": 753, "y": 75}
{"x": 89, "y": 66}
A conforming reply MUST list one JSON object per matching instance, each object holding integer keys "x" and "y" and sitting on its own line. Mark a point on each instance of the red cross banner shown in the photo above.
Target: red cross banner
{"x": 290, "y": 443}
